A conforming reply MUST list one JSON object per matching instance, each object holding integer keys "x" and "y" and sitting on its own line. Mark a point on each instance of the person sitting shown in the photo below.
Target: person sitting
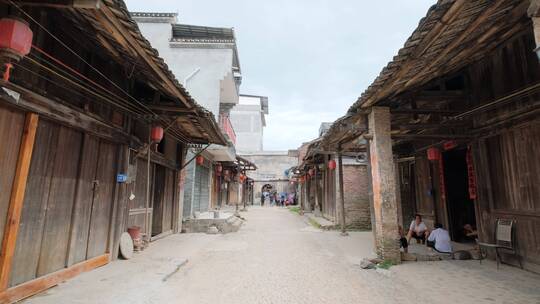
{"x": 439, "y": 239}
{"x": 417, "y": 230}
{"x": 470, "y": 232}
{"x": 403, "y": 243}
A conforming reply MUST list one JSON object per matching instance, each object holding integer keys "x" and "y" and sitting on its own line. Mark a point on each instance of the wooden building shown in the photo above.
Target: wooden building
{"x": 320, "y": 185}
{"x": 458, "y": 110}
{"x": 77, "y": 161}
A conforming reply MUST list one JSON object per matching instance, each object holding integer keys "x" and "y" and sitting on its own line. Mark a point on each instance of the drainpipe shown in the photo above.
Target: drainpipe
{"x": 191, "y": 75}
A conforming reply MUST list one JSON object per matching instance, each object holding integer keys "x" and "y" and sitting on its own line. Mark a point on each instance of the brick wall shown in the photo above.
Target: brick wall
{"x": 355, "y": 187}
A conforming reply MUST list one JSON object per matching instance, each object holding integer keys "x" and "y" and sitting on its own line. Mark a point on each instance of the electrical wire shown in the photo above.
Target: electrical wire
{"x": 59, "y": 72}
{"x": 176, "y": 135}
{"x": 77, "y": 73}
{"x": 186, "y": 140}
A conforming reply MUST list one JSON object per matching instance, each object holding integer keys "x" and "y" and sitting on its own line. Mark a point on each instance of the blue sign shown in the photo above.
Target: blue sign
{"x": 121, "y": 178}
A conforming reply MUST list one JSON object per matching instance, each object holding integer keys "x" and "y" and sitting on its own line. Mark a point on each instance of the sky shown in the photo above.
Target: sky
{"x": 312, "y": 58}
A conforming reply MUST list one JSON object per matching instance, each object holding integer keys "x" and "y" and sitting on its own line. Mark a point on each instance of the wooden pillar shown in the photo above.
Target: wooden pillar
{"x": 384, "y": 185}
{"x": 341, "y": 194}
{"x": 120, "y": 209}
{"x": 317, "y": 211}
{"x": 307, "y": 189}
{"x": 17, "y": 198}
{"x": 302, "y": 198}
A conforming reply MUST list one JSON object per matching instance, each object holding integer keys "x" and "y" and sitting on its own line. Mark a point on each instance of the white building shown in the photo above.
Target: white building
{"x": 248, "y": 120}
{"x": 205, "y": 60}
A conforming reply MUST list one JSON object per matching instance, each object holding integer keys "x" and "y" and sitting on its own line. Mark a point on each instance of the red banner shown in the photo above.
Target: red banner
{"x": 471, "y": 175}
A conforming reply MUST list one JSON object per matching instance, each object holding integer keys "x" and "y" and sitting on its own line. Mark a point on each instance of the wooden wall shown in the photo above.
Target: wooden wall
{"x": 11, "y": 128}
{"x": 508, "y": 171}
{"x": 68, "y": 202}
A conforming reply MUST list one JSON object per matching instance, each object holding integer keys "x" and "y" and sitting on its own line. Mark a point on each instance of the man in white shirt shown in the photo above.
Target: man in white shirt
{"x": 417, "y": 230}
{"x": 439, "y": 239}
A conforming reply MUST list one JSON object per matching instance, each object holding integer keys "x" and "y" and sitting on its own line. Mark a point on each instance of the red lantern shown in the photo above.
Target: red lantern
{"x": 242, "y": 178}
{"x": 450, "y": 144}
{"x": 156, "y": 135}
{"x": 433, "y": 154}
{"x": 199, "y": 160}
{"x": 15, "y": 41}
{"x": 332, "y": 164}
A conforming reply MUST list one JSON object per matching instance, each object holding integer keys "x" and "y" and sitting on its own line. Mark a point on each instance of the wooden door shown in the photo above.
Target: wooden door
{"x": 168, "y": 200}
{"x": 158, "y": 202}
{"x": 82, "y": 211}
{"x": 104, "y": 184}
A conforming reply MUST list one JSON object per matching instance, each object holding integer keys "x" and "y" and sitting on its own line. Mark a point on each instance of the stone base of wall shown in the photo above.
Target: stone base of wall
{"x": 223, "y": 225}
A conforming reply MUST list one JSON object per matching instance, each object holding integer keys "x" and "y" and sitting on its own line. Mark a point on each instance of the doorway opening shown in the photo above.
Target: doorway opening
{"x": 460, "y": 206}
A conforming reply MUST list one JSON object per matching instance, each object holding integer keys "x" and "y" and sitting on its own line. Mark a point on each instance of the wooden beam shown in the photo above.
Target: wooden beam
{"x": 86, "y": 4}
{"x": 41, "y": 284}
{"x": 425, "y": 111}
{"x": 421, "y": 126}
{"x": 431, "y": 136}
{"x": 173, "y": 109}
{"x": 65, "y": 115}
{"x": 17, "y": 198}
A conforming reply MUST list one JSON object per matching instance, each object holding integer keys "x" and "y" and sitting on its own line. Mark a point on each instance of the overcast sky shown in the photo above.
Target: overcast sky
{"x": 312, "y": 58}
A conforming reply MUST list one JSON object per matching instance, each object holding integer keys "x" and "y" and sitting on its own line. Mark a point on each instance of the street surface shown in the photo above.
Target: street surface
{"x": 277, "y": 257}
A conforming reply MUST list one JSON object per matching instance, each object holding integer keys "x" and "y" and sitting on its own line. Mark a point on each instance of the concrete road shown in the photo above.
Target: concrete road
{"x": 278, "y": 258}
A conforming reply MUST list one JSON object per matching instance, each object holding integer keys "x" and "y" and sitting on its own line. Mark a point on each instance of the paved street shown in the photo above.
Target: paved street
{"x": 278, "y": 258}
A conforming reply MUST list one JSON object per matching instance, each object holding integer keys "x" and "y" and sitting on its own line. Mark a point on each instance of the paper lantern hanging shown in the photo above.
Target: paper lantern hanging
{"x": 433, "y": 154}
{"x": 15, "y": 42}
{"x": 156, "y": 134}
{"x": 332, "y": 164}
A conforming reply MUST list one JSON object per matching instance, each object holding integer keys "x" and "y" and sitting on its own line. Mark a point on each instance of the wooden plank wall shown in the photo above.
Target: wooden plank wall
{"x": 66, "y": 216}
{"x": 511, "y": 161}
{"x": 11, "y": 128}
{"x": 506, "y": 162}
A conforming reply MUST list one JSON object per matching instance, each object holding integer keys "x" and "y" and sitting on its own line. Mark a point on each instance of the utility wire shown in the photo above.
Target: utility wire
{"x": 88, "y": 64}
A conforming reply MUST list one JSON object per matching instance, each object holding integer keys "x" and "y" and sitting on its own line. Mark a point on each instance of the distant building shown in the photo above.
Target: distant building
{"x": 248, "y": 120}
{"x": 272, "y": 171}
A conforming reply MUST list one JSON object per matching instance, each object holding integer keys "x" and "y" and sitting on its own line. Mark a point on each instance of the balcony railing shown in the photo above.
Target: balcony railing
{"x": 226, "y": 126}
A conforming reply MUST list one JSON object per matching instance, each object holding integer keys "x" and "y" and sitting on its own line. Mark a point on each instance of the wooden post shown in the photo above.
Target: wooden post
{"x": 119, "y": 222}
{"x": 147, "y": 205}
{"x": 17, "y": 198}
{"x": 383, "y": 184}
{"x": 317, "y": 211}
{"x": 302, "y": 197}
{"x": 341, "y": 194}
